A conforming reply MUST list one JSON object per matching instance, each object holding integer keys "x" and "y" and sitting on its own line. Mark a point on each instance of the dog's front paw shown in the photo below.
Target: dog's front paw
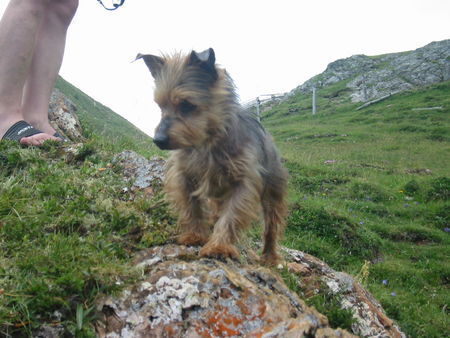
{"x": 270, "y": 259}
{"x": 191, "y": 239}
{"x": 219, "y": 250}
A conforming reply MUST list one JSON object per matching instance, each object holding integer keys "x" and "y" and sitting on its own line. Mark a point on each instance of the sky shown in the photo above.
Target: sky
{"x": 267, "y": 47}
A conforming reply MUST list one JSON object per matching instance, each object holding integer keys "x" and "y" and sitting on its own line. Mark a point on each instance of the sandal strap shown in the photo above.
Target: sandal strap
{"x": 19, "y": 130}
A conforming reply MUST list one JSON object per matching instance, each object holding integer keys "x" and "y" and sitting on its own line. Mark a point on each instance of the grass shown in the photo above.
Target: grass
{"x": 67, "y": 234}
{"x": 366, "y": 186}
{"x": 373, "y": 185}
{"x": 67, "y": 229}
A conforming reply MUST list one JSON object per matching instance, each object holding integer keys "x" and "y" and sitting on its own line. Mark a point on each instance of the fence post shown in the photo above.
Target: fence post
{"x": 314, "y": 100}
{"x": 258, "y": 112}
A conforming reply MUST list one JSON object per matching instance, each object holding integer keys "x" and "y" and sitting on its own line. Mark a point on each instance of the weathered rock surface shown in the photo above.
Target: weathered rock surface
{"x": 63, "y": 118}
{"x": 370, "y": 319}
{"x": 185, "y": 297}
{"x": 373, "y": 77}
{"x": 182, "y": 295}
{"x": 144, "y": 173}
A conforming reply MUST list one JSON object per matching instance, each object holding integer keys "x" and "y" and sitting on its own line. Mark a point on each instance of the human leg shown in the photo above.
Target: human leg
{"x": 18, "y": 32}
{"x": 46, "y": 62}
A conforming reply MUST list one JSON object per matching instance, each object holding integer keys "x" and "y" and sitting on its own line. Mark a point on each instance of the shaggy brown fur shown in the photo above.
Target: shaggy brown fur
{"x": 224, "y": 168}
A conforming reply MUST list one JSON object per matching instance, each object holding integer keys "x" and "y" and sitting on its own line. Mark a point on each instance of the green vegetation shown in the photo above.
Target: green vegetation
{"x": 366, "y": 186}
{"x": 373, "y": 185}
{"x": 67, "y": 229}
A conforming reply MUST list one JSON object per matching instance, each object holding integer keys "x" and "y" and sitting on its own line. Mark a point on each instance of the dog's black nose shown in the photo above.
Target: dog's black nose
{"x": 162, "y": 142}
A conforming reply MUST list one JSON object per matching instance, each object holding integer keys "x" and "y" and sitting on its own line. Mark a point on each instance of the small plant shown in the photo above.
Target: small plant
{"x": 440, "y": 189}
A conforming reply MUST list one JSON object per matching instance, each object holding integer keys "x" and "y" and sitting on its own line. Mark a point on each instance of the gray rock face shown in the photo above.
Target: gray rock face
{"x": 372, "y": 77}
{"x": 144, "y": 173}
{"x": 182, "y": 297}
{"x": 62, "y": 116}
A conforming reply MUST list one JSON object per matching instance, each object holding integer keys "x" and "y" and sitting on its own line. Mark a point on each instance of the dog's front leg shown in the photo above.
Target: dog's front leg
{"x": 235, "y": 214}
{"x": 191, "y": 219}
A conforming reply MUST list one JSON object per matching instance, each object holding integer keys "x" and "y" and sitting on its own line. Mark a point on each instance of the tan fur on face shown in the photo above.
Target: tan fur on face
{"x": 225, "y": 170}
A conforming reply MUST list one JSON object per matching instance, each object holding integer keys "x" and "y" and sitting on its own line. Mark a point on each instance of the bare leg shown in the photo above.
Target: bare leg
{"x": 47, "y": 59}
{"x": 21, "y": 30}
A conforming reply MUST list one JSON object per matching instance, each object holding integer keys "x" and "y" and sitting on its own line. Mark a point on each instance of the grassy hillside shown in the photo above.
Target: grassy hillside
{"x": 369, "y": 194}
{"x": 373, "y": 185}
{"x": 67, "y": 229}
{"x": 101, "y": 123}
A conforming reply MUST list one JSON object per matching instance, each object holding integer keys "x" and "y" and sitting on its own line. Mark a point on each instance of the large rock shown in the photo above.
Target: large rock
{"x": 181, "y": 296}
{"x": 370, "y": 78}
{"x": 63, "y": 118}
{"x": 369, "y": 317}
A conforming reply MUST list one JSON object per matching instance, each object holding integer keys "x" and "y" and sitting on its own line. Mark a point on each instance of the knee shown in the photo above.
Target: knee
{"x": 63, "y": 10}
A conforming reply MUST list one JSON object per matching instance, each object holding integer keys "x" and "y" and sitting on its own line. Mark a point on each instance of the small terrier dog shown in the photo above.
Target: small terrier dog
{"x": 224, "y": 168}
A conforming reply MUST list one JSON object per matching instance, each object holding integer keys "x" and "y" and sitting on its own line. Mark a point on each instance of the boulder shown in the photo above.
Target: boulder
{"x": 182, "y": 296}
{"x": 63, "y": 118}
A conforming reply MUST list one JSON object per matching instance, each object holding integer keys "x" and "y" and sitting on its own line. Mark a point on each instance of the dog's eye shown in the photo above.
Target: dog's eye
{"x": 186, "y": 107}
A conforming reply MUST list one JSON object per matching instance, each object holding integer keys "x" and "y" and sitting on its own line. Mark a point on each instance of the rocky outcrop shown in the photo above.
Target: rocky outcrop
{"x": 182, "y": 295}
{"x": 372, "y": 77}
{"x": 145, "y": 174}
{"x": 316, "y": 276}
{"x": 63, "y": 118}
{"x": 185, "y": 297}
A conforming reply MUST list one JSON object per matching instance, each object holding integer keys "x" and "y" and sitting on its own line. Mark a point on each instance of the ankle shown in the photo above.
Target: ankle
{"x": 7, "y": 121}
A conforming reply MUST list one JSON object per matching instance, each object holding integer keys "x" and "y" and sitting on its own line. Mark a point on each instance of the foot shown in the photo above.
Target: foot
{"x": 270, "y": 259}
{"x": 38, "y": 139}
{"x": 191, "y": 239}
{"x": 219, "y": 250}
{"x": 26, "y": 134}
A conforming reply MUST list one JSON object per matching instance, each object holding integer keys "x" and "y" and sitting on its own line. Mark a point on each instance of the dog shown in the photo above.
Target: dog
{"x": 224, "y": 168}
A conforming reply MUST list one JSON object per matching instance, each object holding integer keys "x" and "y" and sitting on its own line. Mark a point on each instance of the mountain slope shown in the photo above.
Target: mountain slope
{"x": 370, "y": 77}
{"x": 101, "y": 123}
{"x": 372, "y": 185}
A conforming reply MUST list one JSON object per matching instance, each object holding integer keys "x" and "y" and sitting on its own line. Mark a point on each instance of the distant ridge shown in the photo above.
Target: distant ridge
{"x": 371, "y": 77}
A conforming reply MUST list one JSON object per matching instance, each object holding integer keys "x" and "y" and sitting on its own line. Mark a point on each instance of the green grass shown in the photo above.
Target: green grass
{"x": 67, "y": 233}
{"x": 374, "y": 201}
{"x": 67, "y": 229}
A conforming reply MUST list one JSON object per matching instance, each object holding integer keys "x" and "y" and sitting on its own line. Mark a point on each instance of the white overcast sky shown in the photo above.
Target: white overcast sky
{"x": 266, "y": 46}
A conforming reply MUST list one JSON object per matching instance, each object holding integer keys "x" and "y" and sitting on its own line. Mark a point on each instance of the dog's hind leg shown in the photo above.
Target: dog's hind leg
{"x": 275, "y": 210}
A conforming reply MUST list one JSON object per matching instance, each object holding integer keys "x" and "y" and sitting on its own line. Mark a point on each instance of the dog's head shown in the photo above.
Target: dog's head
{"x": 185, "y": 90}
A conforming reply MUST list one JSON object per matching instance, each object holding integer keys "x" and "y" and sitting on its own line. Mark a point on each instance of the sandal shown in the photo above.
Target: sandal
{"x": 19, "y": 130}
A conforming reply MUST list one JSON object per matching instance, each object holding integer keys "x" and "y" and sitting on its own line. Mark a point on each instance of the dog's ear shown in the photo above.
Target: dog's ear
{"x": 154, "y": 63}
{"x": 205, "y": 60}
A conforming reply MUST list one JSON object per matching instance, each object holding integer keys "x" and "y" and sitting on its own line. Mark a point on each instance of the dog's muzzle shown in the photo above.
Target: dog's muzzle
{"x": 161, "y": 138}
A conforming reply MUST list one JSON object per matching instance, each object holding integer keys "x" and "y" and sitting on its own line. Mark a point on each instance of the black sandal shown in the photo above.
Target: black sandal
{"x": 19, "y": 130}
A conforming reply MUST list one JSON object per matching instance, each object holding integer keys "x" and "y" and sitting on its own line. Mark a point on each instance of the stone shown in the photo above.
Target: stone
{"x": 180, "y": 296}
{"x": 370, "y": 318}
{"x": 63, "y": 118}
{"x": 142, "y": 172}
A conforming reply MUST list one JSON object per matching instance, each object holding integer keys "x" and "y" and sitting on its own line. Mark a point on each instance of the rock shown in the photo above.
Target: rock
{"x": 63, "y": 118}
{"x": 143, "y": 172}
{"x": 182, "y": 296}
{"x": 370, "y": 78}
{"x": 370, "y": 318}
